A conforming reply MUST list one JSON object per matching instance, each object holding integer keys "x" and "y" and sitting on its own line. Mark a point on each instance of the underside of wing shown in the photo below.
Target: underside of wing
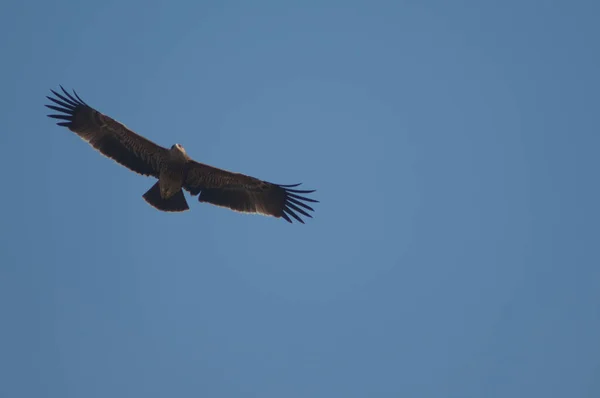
{"x": 247, "y": 194}
{"x": 106, "y": 135}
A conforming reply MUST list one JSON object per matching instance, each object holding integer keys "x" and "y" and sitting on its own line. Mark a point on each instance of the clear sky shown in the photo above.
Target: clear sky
{"x": 454, "y": 149}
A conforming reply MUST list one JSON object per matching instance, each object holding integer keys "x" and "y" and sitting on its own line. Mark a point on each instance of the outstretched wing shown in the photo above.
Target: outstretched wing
{"x": 106, "y": 135}
{"x": 246, "y": 194}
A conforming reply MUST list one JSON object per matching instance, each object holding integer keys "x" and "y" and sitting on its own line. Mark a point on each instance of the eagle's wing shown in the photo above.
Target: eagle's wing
{"x": 108, "y": 136}
{"x": 245, "y": 194}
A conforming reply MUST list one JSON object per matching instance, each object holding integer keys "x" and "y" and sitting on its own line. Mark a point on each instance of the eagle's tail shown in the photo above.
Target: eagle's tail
{"x": 176, "y": 202}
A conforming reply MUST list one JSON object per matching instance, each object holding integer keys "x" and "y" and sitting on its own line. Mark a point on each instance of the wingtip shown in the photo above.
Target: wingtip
{"x": 78, "y": 97}
{"x": 289, "y": 185}
{"x": 67, "y": 99}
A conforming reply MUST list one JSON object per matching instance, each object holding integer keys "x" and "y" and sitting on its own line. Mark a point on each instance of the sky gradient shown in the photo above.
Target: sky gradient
{"x": 454, "y": 251}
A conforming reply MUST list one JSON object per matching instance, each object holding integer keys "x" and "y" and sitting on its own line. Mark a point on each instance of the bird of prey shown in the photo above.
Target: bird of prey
{"x": 174, "y": 169}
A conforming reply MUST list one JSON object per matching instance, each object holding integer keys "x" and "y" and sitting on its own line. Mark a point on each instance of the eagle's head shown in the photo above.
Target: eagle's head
{"x": 178, "y": 151}
{"x": 178, "y": 148}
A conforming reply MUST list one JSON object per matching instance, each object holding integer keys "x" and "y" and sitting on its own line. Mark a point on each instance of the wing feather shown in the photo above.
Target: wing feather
{"x": 106, "y": 135}
{"x": 246, "y": 194}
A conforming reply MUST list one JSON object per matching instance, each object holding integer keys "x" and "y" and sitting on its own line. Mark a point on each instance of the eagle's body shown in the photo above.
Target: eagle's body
{"x": 167, "y": 193}
{"x": 172, "y": 173}
{"x": 175, "y": 170}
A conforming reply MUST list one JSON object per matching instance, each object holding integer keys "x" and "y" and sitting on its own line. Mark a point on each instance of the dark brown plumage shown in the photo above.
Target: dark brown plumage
{"x": 174, "y": 169}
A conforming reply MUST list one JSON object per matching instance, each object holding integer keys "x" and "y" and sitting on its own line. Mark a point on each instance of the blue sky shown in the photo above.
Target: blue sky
{"x": 453, "y": 147}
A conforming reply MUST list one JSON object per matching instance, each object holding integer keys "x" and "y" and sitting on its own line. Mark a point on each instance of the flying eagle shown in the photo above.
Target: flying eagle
{"x": 174, "y": 169}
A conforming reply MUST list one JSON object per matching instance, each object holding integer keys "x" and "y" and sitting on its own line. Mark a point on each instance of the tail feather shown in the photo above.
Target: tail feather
{"x": 176, "y": 202}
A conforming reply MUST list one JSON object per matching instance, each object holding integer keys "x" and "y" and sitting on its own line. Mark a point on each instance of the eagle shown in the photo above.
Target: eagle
{"x": 174, "y": 169}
